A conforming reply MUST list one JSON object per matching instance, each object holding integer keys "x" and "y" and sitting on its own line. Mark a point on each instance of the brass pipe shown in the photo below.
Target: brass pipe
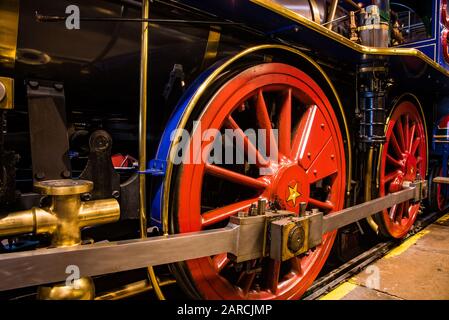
{"x": 57, "y": 219}
{"x": 353, "y": 4}
{"x": 368, "y": 183}
{"x": 34, "y": 220}
{"x": 332, "y": 12}
{"x": 143, "y": 135}
{"x": 315, "y": 10}
{"x": 98, "y": 212}
{"x": 132, "y": 289}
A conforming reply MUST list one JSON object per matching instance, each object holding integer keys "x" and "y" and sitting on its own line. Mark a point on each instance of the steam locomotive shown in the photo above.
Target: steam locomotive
{"x": 94, "y": 93}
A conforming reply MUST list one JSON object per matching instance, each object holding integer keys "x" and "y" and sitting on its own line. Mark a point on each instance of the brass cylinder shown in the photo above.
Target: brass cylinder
{"x": 67, "y": 209}
{"x": 79, "y": 289}
{"x": 98, "y": 212}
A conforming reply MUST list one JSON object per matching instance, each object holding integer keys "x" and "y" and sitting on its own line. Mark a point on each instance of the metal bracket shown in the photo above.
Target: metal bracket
{"x": 156, "y": 167}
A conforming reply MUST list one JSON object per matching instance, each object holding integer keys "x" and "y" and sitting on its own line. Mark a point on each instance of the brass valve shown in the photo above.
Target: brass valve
{"x": 66, "y": 214}
{"x": 63, "y": 219}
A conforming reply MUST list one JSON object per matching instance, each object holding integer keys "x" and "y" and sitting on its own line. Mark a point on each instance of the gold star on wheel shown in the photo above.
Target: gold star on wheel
{"x": 293, "y": 194}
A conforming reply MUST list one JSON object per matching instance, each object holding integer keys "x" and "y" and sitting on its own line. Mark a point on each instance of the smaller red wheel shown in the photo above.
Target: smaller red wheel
{"x": 403, "y": 159}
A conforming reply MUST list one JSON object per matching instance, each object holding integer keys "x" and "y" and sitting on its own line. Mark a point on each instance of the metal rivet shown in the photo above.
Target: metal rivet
{"x": 66, "y": 174}
{"x": 33, "y": 84}
{"x": 40, "y": 176}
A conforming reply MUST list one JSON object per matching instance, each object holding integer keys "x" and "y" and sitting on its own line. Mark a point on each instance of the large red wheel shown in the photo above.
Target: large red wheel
{"x": 311, "y": 169}
{"x": 403, "y": 158}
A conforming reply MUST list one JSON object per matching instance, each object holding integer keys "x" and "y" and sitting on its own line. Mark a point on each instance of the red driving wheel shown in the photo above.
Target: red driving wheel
{"x": 403, "y": 158}
{"x": 311, "y": 168}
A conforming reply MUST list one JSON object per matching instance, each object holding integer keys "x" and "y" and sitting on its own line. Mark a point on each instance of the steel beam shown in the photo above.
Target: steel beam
{"x": 243, "y": 238}
{"x": 355, "y": 213}
{"x": 42, "y": 266}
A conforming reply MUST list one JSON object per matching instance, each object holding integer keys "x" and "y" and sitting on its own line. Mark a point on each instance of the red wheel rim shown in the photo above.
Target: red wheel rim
{"x": 403, "y": 157}
{"x": 311, "y": 161}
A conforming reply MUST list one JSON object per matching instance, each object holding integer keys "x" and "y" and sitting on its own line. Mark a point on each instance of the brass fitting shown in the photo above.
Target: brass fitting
{"x": 66, "y": 214}
{"x": 6, "y": 93}
{"x": 63, "y": 219}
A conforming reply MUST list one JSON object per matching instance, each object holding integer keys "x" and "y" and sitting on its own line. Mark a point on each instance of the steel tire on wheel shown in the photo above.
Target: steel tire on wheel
{"x": 311, "y": 168}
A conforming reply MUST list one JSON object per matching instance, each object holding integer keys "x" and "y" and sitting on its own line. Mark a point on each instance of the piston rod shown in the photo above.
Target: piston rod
{"x": 242, "y": 238}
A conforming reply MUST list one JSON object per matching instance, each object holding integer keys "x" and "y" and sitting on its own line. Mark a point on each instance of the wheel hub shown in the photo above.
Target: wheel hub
{"x": 408, "y": 172}
{"x": 410, "y": 167}
{"x": 289, "y": 186}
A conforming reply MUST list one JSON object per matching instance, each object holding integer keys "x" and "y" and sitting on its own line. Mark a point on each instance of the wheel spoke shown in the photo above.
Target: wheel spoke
{"x": 395, "y": 144}
{"x": 405, "y": 214}
{"x": 406, "y": 132}
{"x": 245, "y": 281}
{"x": 235, "y": 177}
{"x": 400, "y": 134}
{"x": 285, "y": 125}
{"x": 220, "y": 214}
{"x": 392, "y": 212}
{"x": 399, "y": 213}
{"x": 322, "y": 205}
{"x": 415, "y": 146}
{"x": 220, "y": 261}
{"x": 391, "y": 176}
{"x": 393, "y": 161}
{"x": 273, "y": 272}
{"x": 263, "y": 118}
{"x": 249, "y": 148}
{"x": 412, "y": 137}
{"x": 311, "y": 137}
{"x": 324, "y": 165}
